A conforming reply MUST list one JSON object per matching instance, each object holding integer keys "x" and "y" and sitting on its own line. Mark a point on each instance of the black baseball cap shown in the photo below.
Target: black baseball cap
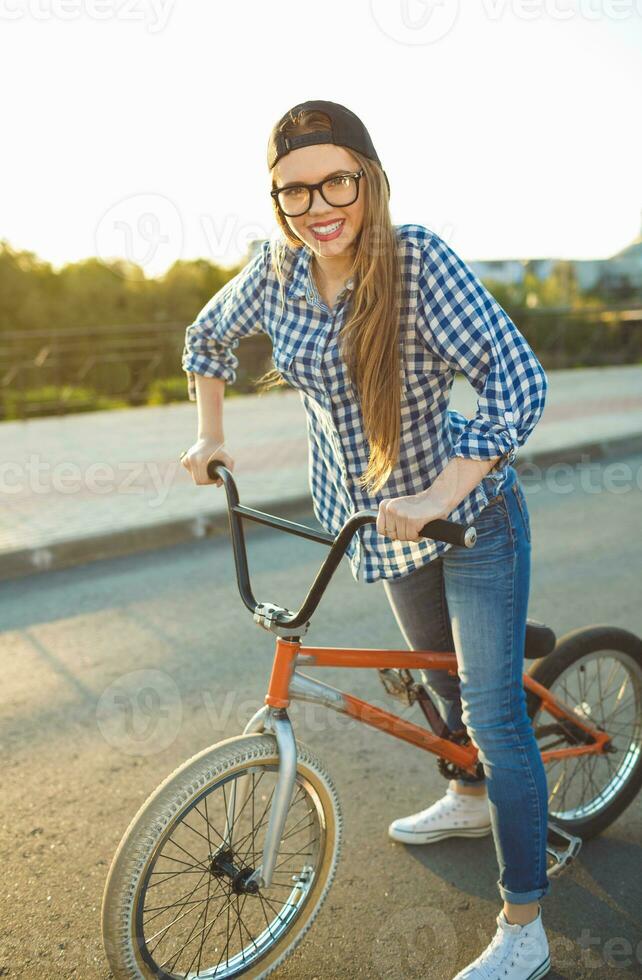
{"x": 347, "y": 130}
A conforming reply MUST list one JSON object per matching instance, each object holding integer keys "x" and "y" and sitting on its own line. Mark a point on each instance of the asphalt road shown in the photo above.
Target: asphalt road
{"x": 73, "y": 775}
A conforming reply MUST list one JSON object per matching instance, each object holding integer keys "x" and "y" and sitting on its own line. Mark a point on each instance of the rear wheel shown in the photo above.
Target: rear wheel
{"x": 597, "y": 671}
{"x": 176, "y": 903}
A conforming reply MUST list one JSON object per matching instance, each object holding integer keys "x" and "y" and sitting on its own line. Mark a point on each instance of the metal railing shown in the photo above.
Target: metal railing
{"x": 57, "y": 371}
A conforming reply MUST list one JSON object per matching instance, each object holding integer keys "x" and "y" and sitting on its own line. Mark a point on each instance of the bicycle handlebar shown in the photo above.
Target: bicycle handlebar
{"x": 439, "y": 530}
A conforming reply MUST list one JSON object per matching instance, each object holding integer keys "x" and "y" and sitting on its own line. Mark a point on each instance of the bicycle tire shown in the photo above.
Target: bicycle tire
{"x": 571, "y": 649}
{"x": 120, "y": 910}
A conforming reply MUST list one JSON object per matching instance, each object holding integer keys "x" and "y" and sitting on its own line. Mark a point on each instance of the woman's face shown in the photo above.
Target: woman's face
{"x": 308, "y": 165}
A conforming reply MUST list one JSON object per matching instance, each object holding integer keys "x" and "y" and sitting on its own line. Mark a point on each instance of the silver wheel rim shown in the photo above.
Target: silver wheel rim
{"x": 241, "y": 938}
{"x": 604, "y": 687}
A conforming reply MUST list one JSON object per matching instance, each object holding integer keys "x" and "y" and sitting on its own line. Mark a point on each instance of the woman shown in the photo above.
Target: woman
{"x": 370, "y": 322}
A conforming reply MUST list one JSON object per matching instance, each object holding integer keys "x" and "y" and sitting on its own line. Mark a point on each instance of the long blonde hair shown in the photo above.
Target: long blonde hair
{"x": 369, "y": 338}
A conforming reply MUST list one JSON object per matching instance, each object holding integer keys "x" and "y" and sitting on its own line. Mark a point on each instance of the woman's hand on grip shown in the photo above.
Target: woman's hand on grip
{"x": 196, "y": 458}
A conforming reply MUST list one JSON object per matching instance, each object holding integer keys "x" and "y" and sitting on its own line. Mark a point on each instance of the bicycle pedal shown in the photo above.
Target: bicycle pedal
{"x": 396, "y": 686}
{"x": 562, "y": 847}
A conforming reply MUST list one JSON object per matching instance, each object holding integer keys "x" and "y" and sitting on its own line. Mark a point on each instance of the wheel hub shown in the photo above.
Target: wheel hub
{"x": 222, "y": 866}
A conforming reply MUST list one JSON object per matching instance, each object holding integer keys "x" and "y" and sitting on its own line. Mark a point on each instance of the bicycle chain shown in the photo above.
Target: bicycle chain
{"x": 449, "y": 770}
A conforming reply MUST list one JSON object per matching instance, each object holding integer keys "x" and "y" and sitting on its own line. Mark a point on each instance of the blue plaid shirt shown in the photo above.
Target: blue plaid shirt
{"x": 450, "y": 322}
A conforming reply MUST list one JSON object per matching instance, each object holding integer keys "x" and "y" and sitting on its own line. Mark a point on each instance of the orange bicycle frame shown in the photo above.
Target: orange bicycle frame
{"x": 287, "y": 684}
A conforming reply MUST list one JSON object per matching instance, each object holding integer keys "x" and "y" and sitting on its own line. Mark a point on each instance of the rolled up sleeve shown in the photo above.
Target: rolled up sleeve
{"x": 235, "y": 311}
{"x": 463, "y": 324}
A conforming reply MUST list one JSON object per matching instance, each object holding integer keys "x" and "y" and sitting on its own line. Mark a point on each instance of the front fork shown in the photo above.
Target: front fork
{"x": 275, "y": 720}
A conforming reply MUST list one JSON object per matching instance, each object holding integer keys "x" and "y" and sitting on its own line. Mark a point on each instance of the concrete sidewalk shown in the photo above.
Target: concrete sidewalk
{"x": 100, "y": 484}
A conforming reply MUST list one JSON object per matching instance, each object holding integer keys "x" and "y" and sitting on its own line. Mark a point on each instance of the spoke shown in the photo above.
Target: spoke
{"x": 285, "y": 836}
{"x": 565, "y": 783}
{"x": 591, "y": 682}
{"x": 271, "y": 904}
{"x": 253, "y": 833}
{"x": 580, "y": 679}
{"x": 251, "y": 837}
{"x": 241, "y": 923}
{"x": 610, "y": 764}
{"x": 292, "y": 833}
{"x": 253, "y": 821}
{"x": 169, "y": 875}
{"x": 226, "y": 948}
{"x": 588, "y": 769}
{"x": 229, "y": 824}
{"x": 296, "y": 829}
{"x": 599, "y": 774}
{"x": 632, "y": 724}
{"x": 581, "y": 768}
{"x": 160, "y": 909}
{"x": 198, "y": 832}
{"x": 616, "y": 664}
{"x": 178, "y": 904}
{"x": 162, "y": 965}
{"x": 267, "y": 921}
{"x": 181, "y": 848}
{"x": 238, "y": 923}
{"x": 600, "y": 692}
{"x": 174, "y": 921}
{"x": 168, "y": 857}
{"x": 173, "y": 905}
{"x": 240, "y": 811}
{"x": 296, "y": 853}
{"x": 620, "y": 707}
{"x": 557, "y": 785}
{"x": 209, "y": 880}
{"x": 293, "y": 853}
{"x": 282, "y": 884}
{"x": 252, "y": 794}
{"x": 202, "y": 943}
{"x": 192, "y": 933}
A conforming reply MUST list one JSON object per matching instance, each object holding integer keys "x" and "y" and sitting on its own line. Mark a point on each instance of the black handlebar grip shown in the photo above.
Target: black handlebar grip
{"x": 212, "y": 470}
{"x": 449, "y": 531}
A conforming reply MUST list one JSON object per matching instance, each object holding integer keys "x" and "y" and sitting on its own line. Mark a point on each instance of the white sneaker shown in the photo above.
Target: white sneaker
{"x": 455, "y": 815}
{"x": 515, "y": 953}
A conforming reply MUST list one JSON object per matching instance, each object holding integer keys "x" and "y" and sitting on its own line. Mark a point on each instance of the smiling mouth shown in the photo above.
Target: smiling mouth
{"x": 331, "y": 229}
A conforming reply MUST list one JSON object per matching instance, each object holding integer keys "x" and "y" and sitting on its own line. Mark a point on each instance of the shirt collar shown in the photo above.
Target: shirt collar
{"x": 301, "y": 280}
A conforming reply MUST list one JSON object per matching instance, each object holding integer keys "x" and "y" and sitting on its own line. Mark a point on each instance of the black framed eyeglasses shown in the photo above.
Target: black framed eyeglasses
{"x": 339, "y": 191}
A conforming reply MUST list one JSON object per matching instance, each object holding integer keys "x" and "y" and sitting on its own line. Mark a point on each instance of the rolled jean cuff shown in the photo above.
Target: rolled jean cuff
{"x": 523, "y": 898}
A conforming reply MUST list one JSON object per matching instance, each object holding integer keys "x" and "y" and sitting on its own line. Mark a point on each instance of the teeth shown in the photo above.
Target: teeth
{"x": 326, "y": 229}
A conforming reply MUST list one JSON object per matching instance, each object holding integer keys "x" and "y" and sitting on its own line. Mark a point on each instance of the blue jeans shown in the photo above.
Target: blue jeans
{"x": 474, "y": 601}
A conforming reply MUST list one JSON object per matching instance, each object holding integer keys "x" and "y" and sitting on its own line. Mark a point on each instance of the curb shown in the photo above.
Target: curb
{"x": 128, "y": 541}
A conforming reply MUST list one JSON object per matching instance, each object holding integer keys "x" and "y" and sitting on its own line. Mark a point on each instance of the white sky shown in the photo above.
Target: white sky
{"x": 140, "y": 129}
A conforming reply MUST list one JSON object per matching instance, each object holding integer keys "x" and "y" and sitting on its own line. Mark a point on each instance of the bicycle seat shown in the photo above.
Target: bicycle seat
{"x": 540, "y": 640}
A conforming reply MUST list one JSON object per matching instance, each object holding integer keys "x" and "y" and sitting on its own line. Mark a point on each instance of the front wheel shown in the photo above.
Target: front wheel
{"x": 174, "y": 904}
{"x": 596, "y": 671}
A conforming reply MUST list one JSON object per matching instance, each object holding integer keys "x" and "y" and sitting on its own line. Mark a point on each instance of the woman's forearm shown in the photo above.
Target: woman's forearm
{"x": 210, "y": 393}
{"x": 459, "y": 476}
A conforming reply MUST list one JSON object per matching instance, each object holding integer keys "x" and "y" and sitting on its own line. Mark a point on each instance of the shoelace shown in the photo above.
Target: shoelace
{"x": 447, "y": 806}
{"x": 493, "y": 957}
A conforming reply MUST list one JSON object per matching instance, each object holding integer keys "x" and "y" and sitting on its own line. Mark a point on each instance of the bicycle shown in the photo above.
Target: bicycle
{"x": 224, "y": 868}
